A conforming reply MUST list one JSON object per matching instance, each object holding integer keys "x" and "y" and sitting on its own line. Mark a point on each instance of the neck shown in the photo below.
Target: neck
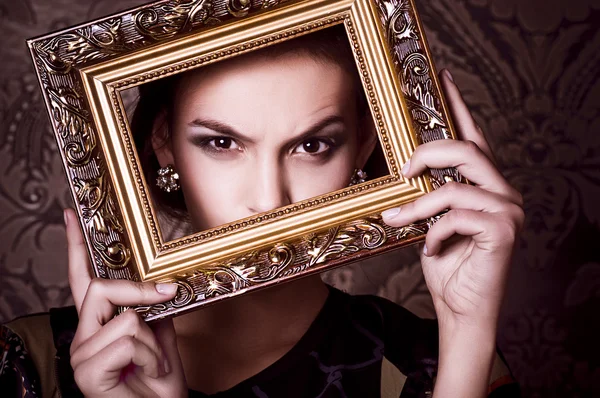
{"x": 244, "y": 335}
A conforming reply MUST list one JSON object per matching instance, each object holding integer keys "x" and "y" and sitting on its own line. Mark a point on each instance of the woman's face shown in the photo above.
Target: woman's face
{"x": 252, "y": 135}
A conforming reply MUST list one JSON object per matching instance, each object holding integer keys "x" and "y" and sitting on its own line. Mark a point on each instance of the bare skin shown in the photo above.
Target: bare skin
{"x": 466, "y": 276}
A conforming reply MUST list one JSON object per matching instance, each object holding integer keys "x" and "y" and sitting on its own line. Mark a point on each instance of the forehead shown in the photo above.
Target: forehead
{"x": 258, "y": 92}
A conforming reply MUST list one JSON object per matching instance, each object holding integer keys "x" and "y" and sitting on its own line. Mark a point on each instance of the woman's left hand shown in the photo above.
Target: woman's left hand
{"x": 468, "y": 252}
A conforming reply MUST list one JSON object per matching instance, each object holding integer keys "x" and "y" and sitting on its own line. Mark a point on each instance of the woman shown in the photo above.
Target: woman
{"x": 252, "y": 134}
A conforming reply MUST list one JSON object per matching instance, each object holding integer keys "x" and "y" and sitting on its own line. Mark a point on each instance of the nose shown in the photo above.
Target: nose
{"x": 268, "y": 187}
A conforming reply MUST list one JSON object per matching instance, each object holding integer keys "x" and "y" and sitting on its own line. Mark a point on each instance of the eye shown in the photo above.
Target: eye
{"x": 312, "y": 146}
{"x": 223, "y": 143}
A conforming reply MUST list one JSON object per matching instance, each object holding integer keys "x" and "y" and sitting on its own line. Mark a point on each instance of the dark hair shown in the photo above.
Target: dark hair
{"x": 330, "y": 44}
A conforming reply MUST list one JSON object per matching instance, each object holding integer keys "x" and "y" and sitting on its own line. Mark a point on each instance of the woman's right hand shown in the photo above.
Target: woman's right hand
{"x": 119, "y": 356}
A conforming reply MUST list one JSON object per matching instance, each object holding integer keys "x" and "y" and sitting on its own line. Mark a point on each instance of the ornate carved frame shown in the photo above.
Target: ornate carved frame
{"x": 82, "y": 70}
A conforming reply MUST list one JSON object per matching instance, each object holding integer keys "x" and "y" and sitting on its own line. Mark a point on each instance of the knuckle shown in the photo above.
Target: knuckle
{"x": 131, "y": 323}
{"x": 516, "y": 217}
{"x": 418, "y": 150}
{"x": 453, "y": 187}
{"x": 131, "y": 318}
{"x": 75, "y": 353}
{"x": 454, "y": 215}
{"x": 471, "y": 147}
{"x": 96, "y": 287}
{"x": 74, "y": 346}
{"x": 74, "y": 361}
{"x": 125, "y": 344}
{"x": 143, "y": 289}
{"x": 507, "y": 231}
{"x": 519, "y": 198}
{"x": 519, "y": 214}
{"x": 79, "y": 377}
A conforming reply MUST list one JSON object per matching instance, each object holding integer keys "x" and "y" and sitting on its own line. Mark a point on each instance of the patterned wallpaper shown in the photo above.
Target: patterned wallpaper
{"x": 530, "y": 70}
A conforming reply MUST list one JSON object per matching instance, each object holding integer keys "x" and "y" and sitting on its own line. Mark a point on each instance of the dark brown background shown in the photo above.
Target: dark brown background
{"x": 530, "y": 71}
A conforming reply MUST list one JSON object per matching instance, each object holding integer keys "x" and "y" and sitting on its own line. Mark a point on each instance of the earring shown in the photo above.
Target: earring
{"x": 168, "y": 179}
{"x": 358, "y": 177}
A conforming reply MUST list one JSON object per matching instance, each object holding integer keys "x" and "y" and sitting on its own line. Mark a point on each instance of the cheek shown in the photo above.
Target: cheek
{"x": 308, "y": 181}
{"x": 212, "y": 197}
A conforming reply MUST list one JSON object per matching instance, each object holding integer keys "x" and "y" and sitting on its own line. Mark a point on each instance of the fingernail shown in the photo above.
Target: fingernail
{"x": 391, "y": 213}
{"x": 166, "y": 366}
{"x": 449, "y": 75}
{"x": 66, "y": 216}
{"x": 166, "y": 288}
{"x": 425, "y": 249}
{"x": 406, "y": 167}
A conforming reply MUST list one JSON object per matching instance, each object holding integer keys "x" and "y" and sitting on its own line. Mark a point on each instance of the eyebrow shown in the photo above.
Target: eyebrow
{"x": 227, "y": 130}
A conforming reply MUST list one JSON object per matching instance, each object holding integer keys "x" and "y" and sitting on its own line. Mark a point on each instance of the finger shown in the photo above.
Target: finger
{"x": 103, "y": 296}
{"x": 452, "y": 195}
{"x": 129, "y": 324}
{"x": 490, "y": 232}
{"x": 103, "y": 370}
{"x": 468, "y": 129}
{"x": 79, "y": 262}
{"x": 468, "y": 159}
{"x": 164, "y": 331}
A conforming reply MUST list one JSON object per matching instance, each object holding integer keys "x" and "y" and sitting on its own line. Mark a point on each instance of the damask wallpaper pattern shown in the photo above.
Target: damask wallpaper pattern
{"x": 529, "y": 69}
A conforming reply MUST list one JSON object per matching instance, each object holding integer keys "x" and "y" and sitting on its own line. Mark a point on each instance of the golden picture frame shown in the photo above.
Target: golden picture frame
{"x": 82, "y": 70}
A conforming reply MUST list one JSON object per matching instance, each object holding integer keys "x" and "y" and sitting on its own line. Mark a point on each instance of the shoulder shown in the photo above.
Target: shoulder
{"x": 33, "y": 330}
{"x": 26, "y": 350}
{"x": 29, "y": 351}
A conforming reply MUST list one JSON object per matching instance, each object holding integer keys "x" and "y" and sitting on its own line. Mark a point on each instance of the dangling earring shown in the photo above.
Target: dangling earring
{"x": 358, "y": 177}
{"x": 168, "y": 179}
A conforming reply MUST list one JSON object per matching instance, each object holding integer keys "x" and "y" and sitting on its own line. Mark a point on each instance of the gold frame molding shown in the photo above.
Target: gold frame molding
{"x": 83, "y": 69}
